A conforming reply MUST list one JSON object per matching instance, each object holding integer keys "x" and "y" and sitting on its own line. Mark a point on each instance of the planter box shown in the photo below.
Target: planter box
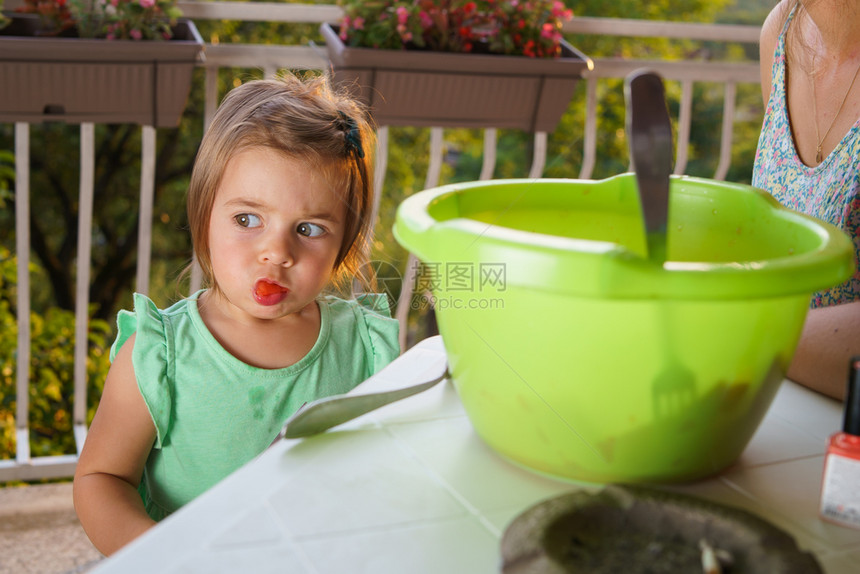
{"x": 78, "y": 80}
{"x": 444, "y": 89}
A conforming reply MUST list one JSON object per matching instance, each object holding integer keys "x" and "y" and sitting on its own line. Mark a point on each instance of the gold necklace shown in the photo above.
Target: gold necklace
{"x": 818, "y": 157}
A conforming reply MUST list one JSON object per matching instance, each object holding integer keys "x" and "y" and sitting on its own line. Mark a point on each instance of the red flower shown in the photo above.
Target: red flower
{"x": 529, "y": 49}
{"x": 503, "y": 27}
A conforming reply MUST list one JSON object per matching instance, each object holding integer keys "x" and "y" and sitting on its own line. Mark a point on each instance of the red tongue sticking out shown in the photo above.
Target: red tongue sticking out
{"x": 264, "y": 289}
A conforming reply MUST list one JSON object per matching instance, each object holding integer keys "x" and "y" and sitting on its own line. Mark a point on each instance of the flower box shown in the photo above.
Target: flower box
{"x": 446, "y": 89}
{"x": 74, "y": 80}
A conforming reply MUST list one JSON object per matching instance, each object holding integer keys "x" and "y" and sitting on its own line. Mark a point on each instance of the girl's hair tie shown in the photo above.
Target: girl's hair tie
{"x": 351, "y": 134}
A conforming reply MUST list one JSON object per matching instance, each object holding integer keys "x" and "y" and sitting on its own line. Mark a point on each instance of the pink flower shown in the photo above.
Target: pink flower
{"x": 404, "y": 33}
{"x": 426, "y": 20}
{"x": 358, "y": 23}
{"x": 547, "y": 31}
{"x": 402, "y": 15}
{"x": 135, "y": 34}
{"x": 146, "y": 3}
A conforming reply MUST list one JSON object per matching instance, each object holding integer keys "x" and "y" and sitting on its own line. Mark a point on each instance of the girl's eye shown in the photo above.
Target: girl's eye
{"x": 248, "y": 220}
{"x": 310, "y": 229}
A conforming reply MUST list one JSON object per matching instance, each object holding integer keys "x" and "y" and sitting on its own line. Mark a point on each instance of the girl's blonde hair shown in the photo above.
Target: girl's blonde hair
{"x": 305, "y": 119}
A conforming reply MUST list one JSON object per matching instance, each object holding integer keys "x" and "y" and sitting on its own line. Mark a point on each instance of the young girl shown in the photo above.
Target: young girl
{"x": 278, "y": 205}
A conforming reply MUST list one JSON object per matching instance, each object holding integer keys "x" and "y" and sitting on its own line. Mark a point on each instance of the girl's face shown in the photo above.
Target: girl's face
{"x": 274, "y": 234}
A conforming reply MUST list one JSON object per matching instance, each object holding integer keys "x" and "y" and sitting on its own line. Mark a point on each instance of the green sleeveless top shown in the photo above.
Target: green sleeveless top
{"x": 212, "y": 412}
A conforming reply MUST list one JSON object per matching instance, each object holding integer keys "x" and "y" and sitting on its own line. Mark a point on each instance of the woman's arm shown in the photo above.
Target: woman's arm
{"x": 112, "y": 460}
{"x": 831, "y": 337}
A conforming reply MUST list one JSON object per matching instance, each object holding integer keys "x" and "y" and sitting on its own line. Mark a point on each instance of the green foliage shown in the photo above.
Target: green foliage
{"x": 7, "y": 176}
{"x": 51, "y": 371}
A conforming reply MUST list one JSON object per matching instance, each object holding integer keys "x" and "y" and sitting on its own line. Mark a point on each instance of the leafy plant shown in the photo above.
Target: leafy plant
{"x": 516, "y": 27}
{"x": 51, "y": 367}
{"x": 109, "y": 19}
{"x": 7, "y": 176}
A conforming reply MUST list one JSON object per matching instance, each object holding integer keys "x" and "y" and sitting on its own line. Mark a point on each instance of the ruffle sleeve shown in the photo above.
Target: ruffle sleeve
{"x": 382, "y": 330}
{"x": 152, "y": 359}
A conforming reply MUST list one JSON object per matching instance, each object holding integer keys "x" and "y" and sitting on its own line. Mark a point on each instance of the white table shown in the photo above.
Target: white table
{"x": 411, "y": 489}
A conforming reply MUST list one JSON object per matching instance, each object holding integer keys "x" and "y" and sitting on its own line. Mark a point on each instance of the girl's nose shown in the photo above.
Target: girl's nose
{"x": 277, "y": 251}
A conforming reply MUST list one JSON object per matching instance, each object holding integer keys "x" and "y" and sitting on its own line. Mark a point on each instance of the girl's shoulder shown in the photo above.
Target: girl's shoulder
{"x": 367, "y": 318}
{"x": 146, "y": 317}
{"x": 371, "y": 305}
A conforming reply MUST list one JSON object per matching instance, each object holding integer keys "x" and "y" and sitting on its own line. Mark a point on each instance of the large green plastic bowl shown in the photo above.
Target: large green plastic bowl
{"x": 577, "y": 357}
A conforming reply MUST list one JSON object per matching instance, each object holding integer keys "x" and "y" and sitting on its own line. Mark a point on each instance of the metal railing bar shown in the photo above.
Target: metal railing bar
{"x": 434, "y": 167}
{"x": 379, "y": 167}
{"x": 210, "y": 104}
{"x": 261, "y": 56}
{"x": 685, "y": 115}
{"x": 404, "y": 302}
{"x": 539, "y": 156}
{"x": 80, "y": 432}
{"x": 22, "y": 251}
{"x": 147, "y": 194}
{"x": 592, "y": 26}
{"x": 82, "y": 280}
{"x": 381, "y": 164}
{"x": 489, "y": 164}
{"x": 589, "y": 144}
{"x": 726, "y": 137}
{"x": 210, "y": 96}
{"x": 306, "y": 57}
{"x": 261, "y": 11}
{"x": 40, "y": 468}
{"x": 697, "y": 70}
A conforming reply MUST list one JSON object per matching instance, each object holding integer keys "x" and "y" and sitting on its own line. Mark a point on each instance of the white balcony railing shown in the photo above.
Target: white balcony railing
{"x": 271, "y": 59}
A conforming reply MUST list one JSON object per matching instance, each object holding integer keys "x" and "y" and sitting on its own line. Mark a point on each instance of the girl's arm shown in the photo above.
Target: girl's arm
{"x": 112, "y": 460}
{"x": 831, "y": 337}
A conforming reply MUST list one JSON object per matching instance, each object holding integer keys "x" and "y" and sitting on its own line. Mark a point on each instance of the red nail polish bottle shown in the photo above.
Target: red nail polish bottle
{"x": 840, "y": 486}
